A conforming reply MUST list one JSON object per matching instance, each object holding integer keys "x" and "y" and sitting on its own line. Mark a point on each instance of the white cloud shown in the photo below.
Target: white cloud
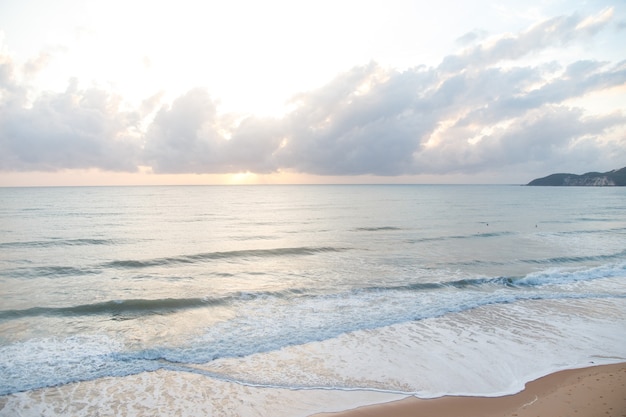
{"x": 551, "y": 33}
{"x": 595, "y": 22}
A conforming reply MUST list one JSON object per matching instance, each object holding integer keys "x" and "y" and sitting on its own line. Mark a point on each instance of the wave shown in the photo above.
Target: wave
{"x": 51, "y": 271}
{"x": 577, "y": 259}
{"x": 60, "y": 270}
{"x": 58, "y": 242}
{"x": 314, "y": 319}
{"x": 142, "y": 307}
{"x": 253, "y": 237}
{"x": 554, "y": 261}
{"x": 591, "y": 231}
{"x": 563, "y": 276}
{"x": 376, "y": 229}
{"x": 200, "y": 257}
{"x": 263, "y": 325}
{"x": 456, "y": 237}
{"x": 535, "y": 279}
{"x": 512, "y": 233}
{"x": 118, "y": 309}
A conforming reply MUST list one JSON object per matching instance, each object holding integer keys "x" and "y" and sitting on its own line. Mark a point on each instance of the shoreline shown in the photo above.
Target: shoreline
{"x": 584, "y": 392}
{"x": 598, "y": 390}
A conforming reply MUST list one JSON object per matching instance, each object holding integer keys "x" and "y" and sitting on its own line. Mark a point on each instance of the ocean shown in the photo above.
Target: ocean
{"x": 292, "y": 300}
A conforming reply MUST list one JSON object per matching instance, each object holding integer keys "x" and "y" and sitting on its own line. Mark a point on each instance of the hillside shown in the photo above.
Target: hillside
{"x": 617, "y": 177}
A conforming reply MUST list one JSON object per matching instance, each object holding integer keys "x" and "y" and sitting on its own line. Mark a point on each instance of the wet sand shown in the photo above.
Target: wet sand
{"x": 587, "y": 392}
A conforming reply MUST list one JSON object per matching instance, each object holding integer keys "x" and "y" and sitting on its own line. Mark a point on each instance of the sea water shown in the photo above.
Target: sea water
{"x": 291, "y": 300}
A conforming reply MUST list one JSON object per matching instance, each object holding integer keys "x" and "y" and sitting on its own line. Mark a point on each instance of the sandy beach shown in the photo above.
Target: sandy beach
{"x": 586, "y": 392}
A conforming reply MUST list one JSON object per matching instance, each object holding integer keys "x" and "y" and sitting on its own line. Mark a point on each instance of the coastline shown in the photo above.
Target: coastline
{"x": 583, "y": 392}
{"x": 586, "y": 392}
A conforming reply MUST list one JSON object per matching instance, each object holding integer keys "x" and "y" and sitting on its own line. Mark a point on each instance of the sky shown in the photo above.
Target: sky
{"x": 205, "y": 92}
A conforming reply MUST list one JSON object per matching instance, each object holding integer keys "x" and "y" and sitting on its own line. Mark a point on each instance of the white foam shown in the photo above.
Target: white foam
{"x": 266, "y": 325}
{"x": 569, "y": 276}
{"x": 489, "y": 351}
{"x": 165, "y": 393}
{"x": 49, "y": 361}
{"x": 492, "y": 350}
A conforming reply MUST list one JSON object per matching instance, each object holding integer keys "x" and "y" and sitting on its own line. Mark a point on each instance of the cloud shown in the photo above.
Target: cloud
{"x": 366, "y": 121}
{"x": 415, "y": 123}
{"x": 69, "y": 130}
{"x": 471, "y": 37}
{"x": 500, "y": 94}
{"x": 460, "y": 118}
{"x": 10, "y": 89}
{"x": 151, "y": 103}
{"x": 556, "y": 32}
{"x": 191, "y": 137}
{"x": 36, "y": 65}
{"x": 469, "y": 115}
{"x": 78, "y": 128}
{"x": 546, "y": 135}
{"x": 184, "y": 137}
{"x": 593, "y": 24}
{"x": 253, "y": 146}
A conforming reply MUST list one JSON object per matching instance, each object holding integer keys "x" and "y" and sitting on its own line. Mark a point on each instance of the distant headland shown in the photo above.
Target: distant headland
{"x": 617, "y": 177}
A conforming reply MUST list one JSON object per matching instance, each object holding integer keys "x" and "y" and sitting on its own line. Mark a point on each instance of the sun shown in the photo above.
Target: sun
{"x": 243, "y": 178}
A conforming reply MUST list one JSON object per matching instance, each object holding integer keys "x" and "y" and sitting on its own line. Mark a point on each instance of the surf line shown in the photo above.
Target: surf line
{"x": 171, "y": 366}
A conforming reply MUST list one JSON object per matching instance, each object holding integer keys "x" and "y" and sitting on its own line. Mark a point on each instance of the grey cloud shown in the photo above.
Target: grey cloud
{"x": 387, "y": 131}
{"x": 471, "y": 37}
{"x": 184, "y": 138}
{"x": 74, "y": 129}
{"x": 253, "y": 146}
{"x": 345, "y": 131}
{"x": 504, "y": 93}
{"x": 11, "y": 92}
{"x": 578, "y": 79}
{"x": 190, "y": 137}
{"x": 558, "y": 136}
{"x": 547, "y": 135}
{"x": 582, "y": 68}
{"x": 7, "y": 73}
